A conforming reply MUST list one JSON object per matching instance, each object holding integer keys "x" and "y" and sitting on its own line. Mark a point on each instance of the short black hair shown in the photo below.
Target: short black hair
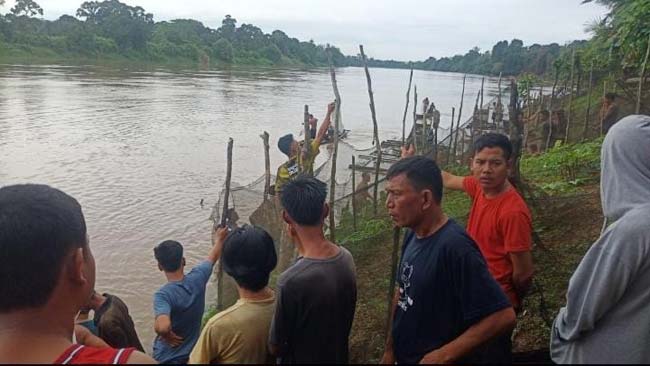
{"x": 422, "y": 173}
{"x": 169, "y": 255}
{"x": 492, "y": 140}
{"x": 611, "y": 96}
{"x": 39, "y": 227}
{"x": 303, "y": 198}
{"x": 249, "y": 257}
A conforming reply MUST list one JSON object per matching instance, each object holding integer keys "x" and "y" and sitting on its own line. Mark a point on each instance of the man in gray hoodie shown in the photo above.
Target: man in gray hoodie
{"x": 607, "y": 315}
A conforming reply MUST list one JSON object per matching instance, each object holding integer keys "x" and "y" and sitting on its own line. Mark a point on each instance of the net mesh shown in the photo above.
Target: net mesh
{"x": 248, "y": 204}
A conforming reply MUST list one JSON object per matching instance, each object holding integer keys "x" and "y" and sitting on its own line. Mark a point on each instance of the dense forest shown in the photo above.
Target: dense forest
{"x": 110, "y": 28}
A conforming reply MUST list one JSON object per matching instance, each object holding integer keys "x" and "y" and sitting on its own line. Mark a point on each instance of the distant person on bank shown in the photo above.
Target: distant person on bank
{"x": 362, "y": 195}
{"x": 239, "y": 334}
{"x": 113, "y": 322}
{"x": 179, "y": 304}
{"x": 609, "y": 112}
{"x": 607, "y": 314}
{"x": 47, "y": 275}
{"x": 316, "y": 297}
{"x": 299, "y": 162}
{"x": 447, "y": 307}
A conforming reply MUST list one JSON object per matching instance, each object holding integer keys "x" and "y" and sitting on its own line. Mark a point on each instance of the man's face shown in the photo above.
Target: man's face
{"x": 403, "y": 201}
{"x": 490, "y": 167}
{"x": 295, "y": 148}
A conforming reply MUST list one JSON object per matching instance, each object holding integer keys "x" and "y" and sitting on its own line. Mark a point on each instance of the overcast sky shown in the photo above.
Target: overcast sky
{"x": 388, "y": 29}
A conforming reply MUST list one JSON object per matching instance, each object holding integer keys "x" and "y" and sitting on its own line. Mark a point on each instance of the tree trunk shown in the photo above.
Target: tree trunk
{"x": 375, "y": 142}
{"x": 568, "y": 118}
{"x": 588, "y": 115}
{"x": 642, "y": 79}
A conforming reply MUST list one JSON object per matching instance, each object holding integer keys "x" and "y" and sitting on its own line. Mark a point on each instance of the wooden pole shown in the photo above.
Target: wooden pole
{"x": 568, "y": 118}
{"x": 224, "y": 221}
{"x": 550, "y": 110}
{"x": 337, "y": 120}
{"x": 451, "y": 137}
{"x": 354, "y": 194}
{"x": 476, "y": 118}
{"x": 408, "y": 92}
{"x": 391, "y": 280}
{"x": 517, "y": 129}
{"x": 415, "y": 125}
{"x": 460, "y": 113}
{"x": 375, "y": 142}
{"x": 482, "y": 85}
{"x": 588, "y": 114}
{"x": 642, "y": 79}
{"x": 306, "y": 150}
{"x": 267, "y": 165}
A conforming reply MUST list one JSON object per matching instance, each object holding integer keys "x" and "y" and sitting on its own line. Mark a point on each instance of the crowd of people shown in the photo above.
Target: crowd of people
{"x": 458, "y": 290}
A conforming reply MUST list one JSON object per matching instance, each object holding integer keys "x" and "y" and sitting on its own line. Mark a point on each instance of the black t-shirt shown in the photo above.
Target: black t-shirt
{"x": 315, "y": 303}
{"x": 445, "y": 288}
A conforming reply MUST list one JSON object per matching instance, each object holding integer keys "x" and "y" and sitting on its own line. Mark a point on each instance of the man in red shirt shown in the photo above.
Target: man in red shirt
{"x": 47, "y": 273}
{"x": 499, "y": 220}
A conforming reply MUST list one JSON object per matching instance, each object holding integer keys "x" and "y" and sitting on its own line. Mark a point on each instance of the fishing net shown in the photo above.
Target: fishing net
{"x": 248, "y": 203}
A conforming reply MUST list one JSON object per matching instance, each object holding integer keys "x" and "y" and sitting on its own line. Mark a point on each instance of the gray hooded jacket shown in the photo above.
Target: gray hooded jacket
{"x": 607, "y": 315}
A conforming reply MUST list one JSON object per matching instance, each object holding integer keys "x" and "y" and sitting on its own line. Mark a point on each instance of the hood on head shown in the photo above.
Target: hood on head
{"x": 625, "y": 166}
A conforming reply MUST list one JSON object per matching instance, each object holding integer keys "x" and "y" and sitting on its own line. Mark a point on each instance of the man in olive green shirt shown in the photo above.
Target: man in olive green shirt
{"x": 300, "y": 161}
{"x": 239, "y": 334}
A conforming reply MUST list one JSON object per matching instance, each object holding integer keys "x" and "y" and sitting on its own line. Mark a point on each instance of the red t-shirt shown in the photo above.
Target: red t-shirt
{"x": 78, "y": 354}
{"x": 499, "y": 225}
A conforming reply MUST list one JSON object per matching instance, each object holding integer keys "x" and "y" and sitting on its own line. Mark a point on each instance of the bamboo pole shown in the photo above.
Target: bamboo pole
{"x": 588, "y": 114}
{"x": 642, "y": 79}
{"x": 375, "y": 142}
{"x": 482, "y": 84}
{"x": 476, "y": 118}
{"x": 337, "y": 120}
{"x": 354, "y": 193}
{"x": 415, "y": 125}
{"x": 391, "y": 280}
{"x": 224, "y": 221}
{"x": 408, "y": 92}
{"x": 460, "y": 113}
{"x": 517, "y": 131}
{"x": 435, "y": 138}
{"x": 568, "y": 118}
{"x": 451, "y": 136}
{"x": 306, "y": 150}
{"x": 267, "y": 166}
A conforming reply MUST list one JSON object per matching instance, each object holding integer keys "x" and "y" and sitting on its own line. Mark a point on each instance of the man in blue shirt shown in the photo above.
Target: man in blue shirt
{"x": 448, "y": 308}
{"x": 179, "y": 304}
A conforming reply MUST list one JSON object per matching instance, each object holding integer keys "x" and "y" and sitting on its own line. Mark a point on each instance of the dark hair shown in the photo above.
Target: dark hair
{"x": 169, "y": 255}
{"x": 421, "y": 172}
{"x": 494, "y": 140}
{"x": 611, "y": 96}
{"x": 39, "y": 226}
{"x": 249, "y": 257}
{"x": 284, "y": 144}
{"x": 303, "y": 199}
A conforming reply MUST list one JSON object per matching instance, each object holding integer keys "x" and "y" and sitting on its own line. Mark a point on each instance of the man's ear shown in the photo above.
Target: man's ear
{"x": 285, "y": 217}
{"x": 183, "y": 262}
{"x": 160, "y": 268}
{"x": 427, "y": 199}
{"x": 326, "y": 210}
{"x": 75, "y": 267}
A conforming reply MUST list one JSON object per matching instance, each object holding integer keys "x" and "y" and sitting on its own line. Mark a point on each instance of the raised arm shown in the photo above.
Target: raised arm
{"x": 322, "y": 131}
{"x": 218, "y": 237}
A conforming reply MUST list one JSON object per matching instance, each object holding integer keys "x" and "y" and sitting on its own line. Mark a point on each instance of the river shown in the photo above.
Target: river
{"x": 140, "y": 148}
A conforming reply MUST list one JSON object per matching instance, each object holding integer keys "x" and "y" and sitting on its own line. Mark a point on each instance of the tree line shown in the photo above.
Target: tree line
{"x": 110, "y": 27}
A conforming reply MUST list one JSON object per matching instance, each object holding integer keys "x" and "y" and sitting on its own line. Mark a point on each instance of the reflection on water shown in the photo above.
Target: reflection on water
{"x": 140, "y": 149}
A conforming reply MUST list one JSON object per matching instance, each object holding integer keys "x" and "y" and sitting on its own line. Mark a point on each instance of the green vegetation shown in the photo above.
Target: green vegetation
{"x": 116, "y": 31}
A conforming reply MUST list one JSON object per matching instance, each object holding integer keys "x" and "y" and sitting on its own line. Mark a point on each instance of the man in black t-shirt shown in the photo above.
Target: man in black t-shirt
{"x": 448, "y": 308}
